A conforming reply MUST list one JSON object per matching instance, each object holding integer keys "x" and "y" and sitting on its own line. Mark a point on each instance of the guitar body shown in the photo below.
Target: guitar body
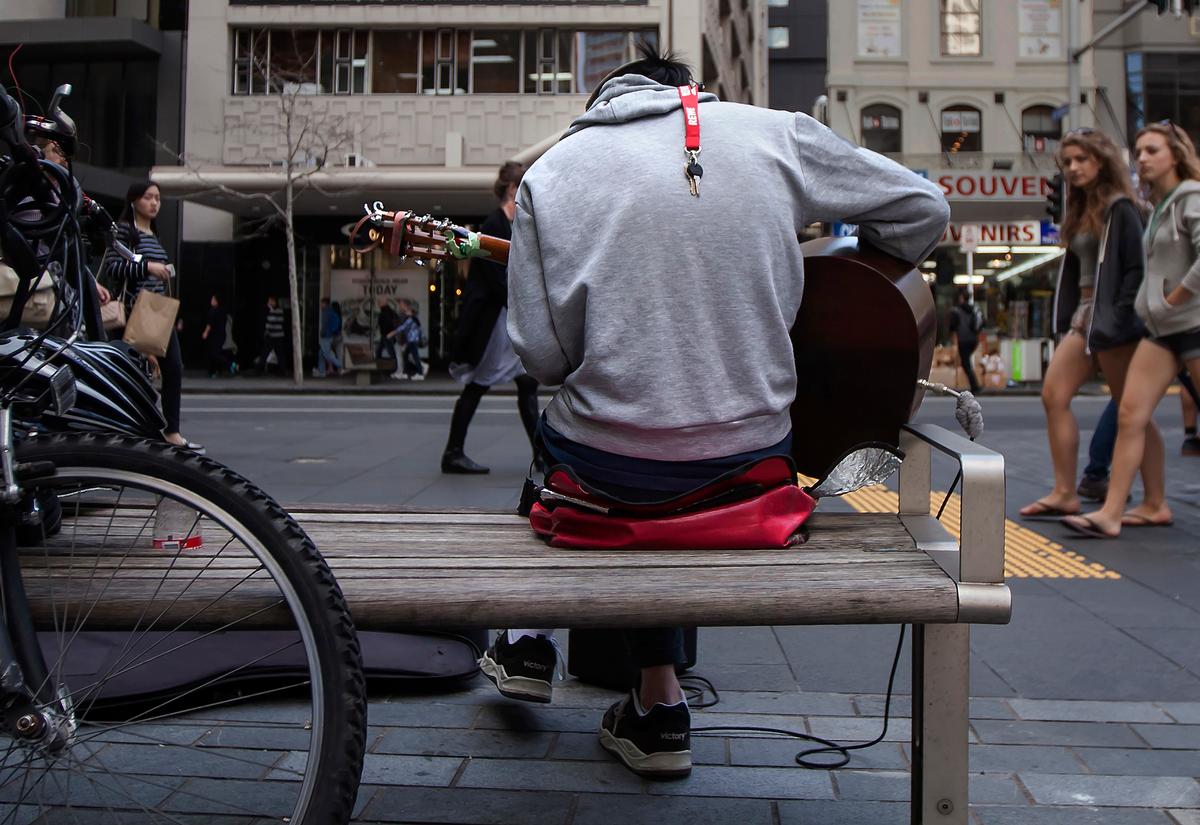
{"x": 863, "y": 337}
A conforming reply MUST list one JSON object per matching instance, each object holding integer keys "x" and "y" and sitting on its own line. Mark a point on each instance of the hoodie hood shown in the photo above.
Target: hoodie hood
{"x": 1186, "y": 187}
{"x": 629, "y": 97}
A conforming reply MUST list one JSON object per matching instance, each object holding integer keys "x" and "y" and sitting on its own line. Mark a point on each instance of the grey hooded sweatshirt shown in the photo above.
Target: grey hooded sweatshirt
{"x": 1172, "y": 243}
{"x": 666, "y": 317}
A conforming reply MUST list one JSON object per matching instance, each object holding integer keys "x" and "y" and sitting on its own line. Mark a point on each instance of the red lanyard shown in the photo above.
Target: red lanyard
{"x": 690, "y": 97}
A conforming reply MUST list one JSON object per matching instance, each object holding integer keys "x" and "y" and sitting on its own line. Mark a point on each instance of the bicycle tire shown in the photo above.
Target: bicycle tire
{"x": 338, "y": 716}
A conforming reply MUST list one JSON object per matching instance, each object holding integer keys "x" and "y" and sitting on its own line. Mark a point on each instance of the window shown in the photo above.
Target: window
{"x": 962, "y": 27}
{"x": 250, "y": 61}
{"x": 881, "y": 128}
{"x": 778, "y": 37}
{"x": 442, "y": 72}
{"x": 1163, "y": 85}
{"x": 782, "y": 4}
{"x": 1039, "y": 129}
{"x": 429, "y": 61}
{"x": 396, "y": 59}
{"x": 548, "y": 62}
{"x": 293, "y": 61}
{"x": 349, "y": 48}
{"x": 495, "y": 62}
{"x": 962, "y": 129}
{"x": 599, "y": 52}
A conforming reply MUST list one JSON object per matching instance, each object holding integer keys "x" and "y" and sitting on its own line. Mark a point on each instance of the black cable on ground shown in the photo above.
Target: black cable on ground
{"x": 827, "y": 746}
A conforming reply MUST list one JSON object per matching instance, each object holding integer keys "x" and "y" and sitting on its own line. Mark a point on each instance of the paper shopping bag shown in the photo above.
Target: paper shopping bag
{"x": 151, "y": 322}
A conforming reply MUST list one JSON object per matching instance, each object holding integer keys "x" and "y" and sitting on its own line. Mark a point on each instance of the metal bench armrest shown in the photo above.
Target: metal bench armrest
{"x": 981, "y": 526}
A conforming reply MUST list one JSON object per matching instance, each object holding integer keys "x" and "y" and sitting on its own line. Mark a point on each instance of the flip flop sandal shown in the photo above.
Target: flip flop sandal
{"x": 1138, "y": 520}
{"x": 1089, "y": 528}
{"x": 1047, "y": 511}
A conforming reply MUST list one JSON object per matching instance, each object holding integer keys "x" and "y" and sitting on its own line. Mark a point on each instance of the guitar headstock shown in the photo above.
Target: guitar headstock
{"x": 403, "y": 233}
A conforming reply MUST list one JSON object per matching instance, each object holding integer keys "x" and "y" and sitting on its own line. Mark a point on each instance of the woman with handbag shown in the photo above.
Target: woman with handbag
{"x": 137, "y": 229}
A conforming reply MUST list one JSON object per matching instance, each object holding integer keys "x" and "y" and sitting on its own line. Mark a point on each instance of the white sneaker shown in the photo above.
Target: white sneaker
{"x": 418, "y": 376}
{"x": 399, "y": 376}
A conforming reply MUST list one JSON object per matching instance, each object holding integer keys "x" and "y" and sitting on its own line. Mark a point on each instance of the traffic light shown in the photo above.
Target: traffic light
{"x": 1056, "y": 199}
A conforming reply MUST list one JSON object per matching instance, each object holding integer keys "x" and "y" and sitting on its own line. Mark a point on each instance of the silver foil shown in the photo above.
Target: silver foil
{"x": 863, "y": 467}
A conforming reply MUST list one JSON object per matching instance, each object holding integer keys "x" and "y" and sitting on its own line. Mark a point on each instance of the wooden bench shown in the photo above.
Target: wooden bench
{"x": 404, "y": 567}
{"x": 360, "y": 359}
{"x": 401, "y": 567}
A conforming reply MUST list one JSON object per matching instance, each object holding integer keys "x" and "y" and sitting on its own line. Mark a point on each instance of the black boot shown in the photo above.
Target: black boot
{"x": 455, "y": 461}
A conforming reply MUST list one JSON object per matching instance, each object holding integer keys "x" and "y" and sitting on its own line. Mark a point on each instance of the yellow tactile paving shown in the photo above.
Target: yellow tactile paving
{"x": 1027, "y": 554}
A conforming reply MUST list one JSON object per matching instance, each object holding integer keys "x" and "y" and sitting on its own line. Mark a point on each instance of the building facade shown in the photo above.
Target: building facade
{"x": 1146, "y": 71}
{"x": 413, "y": 104}
{"x": 124, "y": 60}
{"x": 797, "y": 44}
{"x": 971, "y": 94}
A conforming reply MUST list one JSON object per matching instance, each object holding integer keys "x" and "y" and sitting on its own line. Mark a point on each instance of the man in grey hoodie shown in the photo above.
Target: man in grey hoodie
{"x": 665, "y": 316}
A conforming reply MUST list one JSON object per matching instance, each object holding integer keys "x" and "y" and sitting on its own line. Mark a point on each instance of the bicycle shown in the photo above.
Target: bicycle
{"x": 120, "y": 554}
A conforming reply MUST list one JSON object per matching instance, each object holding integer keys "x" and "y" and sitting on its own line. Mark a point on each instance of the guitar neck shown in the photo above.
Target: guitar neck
{"x": 497, "y": 249}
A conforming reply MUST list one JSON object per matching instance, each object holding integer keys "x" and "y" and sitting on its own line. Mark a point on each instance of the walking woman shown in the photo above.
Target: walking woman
{"x": 483, "y": 355}
{"x": 1093, "y": 305}
{"x": 138, "y": 230}
{"x": 1169, "y": 302}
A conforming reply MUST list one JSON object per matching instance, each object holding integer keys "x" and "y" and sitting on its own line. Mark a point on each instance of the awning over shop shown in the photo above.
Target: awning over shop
{"x": 437, "y": 190}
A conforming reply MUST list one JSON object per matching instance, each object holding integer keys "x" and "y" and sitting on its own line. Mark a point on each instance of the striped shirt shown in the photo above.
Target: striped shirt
{"x": 133, "y": 276}
{"x": 274, "y": 323}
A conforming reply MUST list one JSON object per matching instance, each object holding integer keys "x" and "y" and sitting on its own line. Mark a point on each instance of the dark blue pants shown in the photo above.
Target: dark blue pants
{"x": 1100, "y": 450}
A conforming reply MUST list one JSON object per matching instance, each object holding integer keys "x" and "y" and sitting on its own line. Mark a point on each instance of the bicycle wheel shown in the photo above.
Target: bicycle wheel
{"x": 154, "y": 566}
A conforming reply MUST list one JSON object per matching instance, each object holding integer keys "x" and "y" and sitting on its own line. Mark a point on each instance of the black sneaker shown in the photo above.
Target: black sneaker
{"x": 523, "y": 669}
{"x": 1190, "y": 446}
{"x": 657, "y": 745}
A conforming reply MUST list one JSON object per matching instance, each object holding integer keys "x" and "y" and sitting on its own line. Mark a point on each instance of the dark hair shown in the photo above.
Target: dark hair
{"x": 337, "y": 305}
{"x": 511, "y": 172}
{"x": 665, "y": 68}
{"x": 133, "y": 193}
{"x": 324, "y": 300}
{"x": 964, "y": 297}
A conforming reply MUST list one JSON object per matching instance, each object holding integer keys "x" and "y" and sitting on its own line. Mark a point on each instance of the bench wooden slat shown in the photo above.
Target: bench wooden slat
{"x": 403, "y": 568}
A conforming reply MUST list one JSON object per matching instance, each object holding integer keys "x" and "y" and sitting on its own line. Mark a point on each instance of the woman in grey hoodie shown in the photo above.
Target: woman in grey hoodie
{"x": 1093, "y": 304}
{"x": 1169, "y": 302}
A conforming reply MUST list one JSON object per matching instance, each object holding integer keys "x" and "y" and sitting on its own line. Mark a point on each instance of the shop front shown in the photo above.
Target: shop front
{"x": 1000, "y": 249}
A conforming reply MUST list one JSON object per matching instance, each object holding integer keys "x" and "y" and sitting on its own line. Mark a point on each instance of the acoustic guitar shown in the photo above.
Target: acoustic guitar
{"x": 863, "y": 337}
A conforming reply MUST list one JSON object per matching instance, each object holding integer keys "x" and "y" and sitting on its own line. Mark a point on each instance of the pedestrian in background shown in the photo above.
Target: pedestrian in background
{"x": 965, "y": 323}
{"x": 1169, "y": 303}
{"x": 213, "y": 336}
{"x": 483, "y": 355}
{"x": 330, "y": 328}
{"x": 274, "y": 337}
{"x": 387, "y": 320}
{"x": 1093, "y": 303}
{"x": 137, "y": 229}
{"x": 407, "y": 337}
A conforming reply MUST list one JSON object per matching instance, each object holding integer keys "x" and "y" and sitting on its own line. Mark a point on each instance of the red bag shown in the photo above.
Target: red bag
{"x": 758, "y": 506}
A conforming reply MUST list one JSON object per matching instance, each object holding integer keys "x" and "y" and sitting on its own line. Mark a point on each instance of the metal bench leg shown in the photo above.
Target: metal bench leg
{"x": 940, "y": 718}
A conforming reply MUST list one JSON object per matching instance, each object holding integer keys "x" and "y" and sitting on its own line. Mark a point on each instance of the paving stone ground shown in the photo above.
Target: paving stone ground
{"x": 1037, "y": 763}
{"x": 1085, "y": 710}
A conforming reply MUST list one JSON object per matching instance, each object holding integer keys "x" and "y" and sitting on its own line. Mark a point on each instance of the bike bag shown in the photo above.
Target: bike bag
{"x": 759, "y": 505}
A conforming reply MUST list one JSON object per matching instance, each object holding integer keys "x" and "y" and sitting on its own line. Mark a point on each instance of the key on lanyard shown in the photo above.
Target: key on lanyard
{"x": 694, "y": 172}
{"x": 689, "y": 96}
